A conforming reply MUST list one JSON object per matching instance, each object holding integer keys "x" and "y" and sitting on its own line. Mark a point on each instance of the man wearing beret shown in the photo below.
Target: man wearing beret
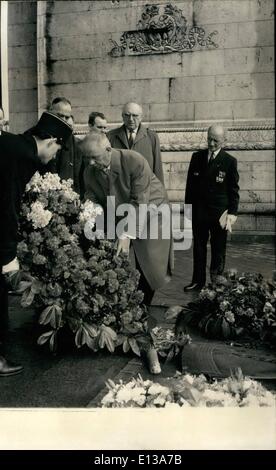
{"x": 20, "y": 157}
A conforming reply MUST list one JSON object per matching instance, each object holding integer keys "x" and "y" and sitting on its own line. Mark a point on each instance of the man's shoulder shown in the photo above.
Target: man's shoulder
{"x": 227, "y": 156}
{"x": 114, "y": 131}
{"x": 9, "y": 141}
{"x": 132, "y": 159}
{"x": 151, "y": 131}
{"x": 131, "y": 155}
{"x": 199, "y": 153}
{"x": 153, "y": 135}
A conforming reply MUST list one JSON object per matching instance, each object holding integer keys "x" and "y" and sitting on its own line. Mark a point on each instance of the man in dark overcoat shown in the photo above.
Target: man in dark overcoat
{"x": 133, "y": 135}
{"x": 213, "y": 191}
{"x": 68, "y": 163}
{"x": 20, "y": 157}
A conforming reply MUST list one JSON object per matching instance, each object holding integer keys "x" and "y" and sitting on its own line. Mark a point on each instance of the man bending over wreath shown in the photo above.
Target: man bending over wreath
{"x": 123, "y": 178}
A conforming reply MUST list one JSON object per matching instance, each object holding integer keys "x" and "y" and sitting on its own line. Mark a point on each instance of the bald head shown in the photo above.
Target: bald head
{"x": 97, "y": 149}
{"x": 216, "y": 137}
{"x": 132, "y": 115}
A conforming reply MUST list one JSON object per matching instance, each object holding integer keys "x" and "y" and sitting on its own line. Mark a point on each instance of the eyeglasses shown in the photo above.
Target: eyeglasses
{"x": 134, "y": 116}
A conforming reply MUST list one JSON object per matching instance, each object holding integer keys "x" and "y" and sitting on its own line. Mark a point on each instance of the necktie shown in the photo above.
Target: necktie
{"x": 212, "y": 158}
{"x": 131, "y": 139}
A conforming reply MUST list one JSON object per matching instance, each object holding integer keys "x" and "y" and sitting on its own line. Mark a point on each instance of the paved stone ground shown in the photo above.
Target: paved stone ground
{"x": 76, "y": 378}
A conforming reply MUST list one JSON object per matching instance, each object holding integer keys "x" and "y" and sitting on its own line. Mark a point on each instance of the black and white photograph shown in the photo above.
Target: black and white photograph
{"x": 137, "y": 234}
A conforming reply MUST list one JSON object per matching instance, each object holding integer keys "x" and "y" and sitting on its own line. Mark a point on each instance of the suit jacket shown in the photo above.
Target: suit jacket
{"x": 146, "y": 143}
{"x": 18, "y": 163}
{"x": 213, "y": 188}
{"x": 132, "y": 181}
{"x": 68, "y": 164}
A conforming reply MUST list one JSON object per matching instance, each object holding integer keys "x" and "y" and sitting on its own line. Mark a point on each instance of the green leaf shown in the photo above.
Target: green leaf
{"x": 53, "y": 342}
{"x": 51, "y": 314}
{"x": 109, "y": 332}
{"x": 81, "y": 337}
{"x": 92, "y": 343}
{"x": 91, "y": 330}
{"x": 126, "y": 346}
{"x": 36, "y": 286}
{"x": 27, "y": 297}
{"x": 44, "y": 338}
{"x": 23, "y": 285}
{"x": 134, "y": 346}
{"x": 110, "y": 344}
{"x": 120, "y": 340}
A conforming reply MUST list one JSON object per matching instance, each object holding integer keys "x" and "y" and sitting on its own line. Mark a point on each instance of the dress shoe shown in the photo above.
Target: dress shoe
{"x": 9, "y": 368}
{"x": 194, "y": 286}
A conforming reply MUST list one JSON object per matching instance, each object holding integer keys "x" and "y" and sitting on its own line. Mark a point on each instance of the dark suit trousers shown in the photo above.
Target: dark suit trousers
{"x": 4, "y": 316}
{"x": 202, "y": 228}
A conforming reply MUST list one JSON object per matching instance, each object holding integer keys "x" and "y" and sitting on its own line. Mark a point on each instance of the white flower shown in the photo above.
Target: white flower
{"x": 39, "y": 216}
{"x": 128, "y": 394}
{"x": 34, "y": 183}
{"x": 68, "y": 192}
{"x": 159, "y": 401}
{"x": 214, "y": 395}
{"x": 108, "y": 399}
{"x": 170, "y": 404}
{"x": 184, "y": 402}
{"x": 156, "y": 389}
{"x": 89, "y": 211}
{"x": 247, "y": 384}
{"x": 140, "y": 400}
{"x": 189, "y": 378}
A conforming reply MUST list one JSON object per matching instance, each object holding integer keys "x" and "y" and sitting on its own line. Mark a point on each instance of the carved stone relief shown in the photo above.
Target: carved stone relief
{"x": 162, "y": 30}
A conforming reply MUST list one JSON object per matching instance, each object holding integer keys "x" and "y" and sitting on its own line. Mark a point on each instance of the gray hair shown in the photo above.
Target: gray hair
{"x": 95, "y": 139}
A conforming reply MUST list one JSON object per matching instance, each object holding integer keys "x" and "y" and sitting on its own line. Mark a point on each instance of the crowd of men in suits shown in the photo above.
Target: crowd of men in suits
{"x": 125, "y": 163}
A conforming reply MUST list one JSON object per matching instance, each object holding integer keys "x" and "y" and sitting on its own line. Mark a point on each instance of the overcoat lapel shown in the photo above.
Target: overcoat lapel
{"x": 122, "y": 136}
{"x": 141, "y": 134}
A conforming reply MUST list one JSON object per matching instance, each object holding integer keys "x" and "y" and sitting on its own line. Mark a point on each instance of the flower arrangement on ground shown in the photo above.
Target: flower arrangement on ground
{"x": 187, "y": 391}
{"x": 73, "y": 282}
{"x": 237, "y": 306}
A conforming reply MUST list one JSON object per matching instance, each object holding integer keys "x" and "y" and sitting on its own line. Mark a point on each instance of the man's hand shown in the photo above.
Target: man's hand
{"x": 230, "y": 220}
{"x": 123, "y": 246}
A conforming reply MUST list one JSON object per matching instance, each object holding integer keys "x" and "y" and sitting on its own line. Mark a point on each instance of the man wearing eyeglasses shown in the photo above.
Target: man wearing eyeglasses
{"x": 68, "y": 163}
{"x": 133, "y": 135}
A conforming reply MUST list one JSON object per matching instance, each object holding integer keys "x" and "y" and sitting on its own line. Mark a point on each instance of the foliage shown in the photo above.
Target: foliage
{"x": 237, "y": 306}
{"x": 75, "y": 283}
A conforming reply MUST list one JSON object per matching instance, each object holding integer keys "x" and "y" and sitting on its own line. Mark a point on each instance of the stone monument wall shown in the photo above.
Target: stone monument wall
{"x": 92, "y": 53}
{"x": 22, "y": 59}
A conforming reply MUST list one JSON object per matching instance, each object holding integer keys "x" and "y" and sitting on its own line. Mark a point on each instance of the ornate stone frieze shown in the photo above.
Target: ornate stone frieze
{"x": 238, "y": 138}
{"x": 161, "y": 30}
